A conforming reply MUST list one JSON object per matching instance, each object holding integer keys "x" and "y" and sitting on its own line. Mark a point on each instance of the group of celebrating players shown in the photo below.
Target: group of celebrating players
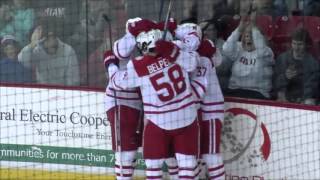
{"x": 167, "y": 100}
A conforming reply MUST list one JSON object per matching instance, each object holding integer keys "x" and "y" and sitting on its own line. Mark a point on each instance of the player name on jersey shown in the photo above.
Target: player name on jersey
{"x": 158, "y": 65}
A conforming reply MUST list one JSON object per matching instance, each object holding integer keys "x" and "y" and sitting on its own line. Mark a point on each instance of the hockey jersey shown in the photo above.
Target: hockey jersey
{"x": 212, "y": 102}
{"x": 130, "y": 97}
{"x": 166, "y": 93}
{"x": 204, "y": 80}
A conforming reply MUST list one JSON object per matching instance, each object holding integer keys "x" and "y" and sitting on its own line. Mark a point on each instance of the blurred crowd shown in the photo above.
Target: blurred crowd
{"x": 61, "y": 42}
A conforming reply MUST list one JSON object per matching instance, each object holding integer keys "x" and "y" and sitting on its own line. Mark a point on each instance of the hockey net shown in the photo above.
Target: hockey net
{"x": 58, "y": 129}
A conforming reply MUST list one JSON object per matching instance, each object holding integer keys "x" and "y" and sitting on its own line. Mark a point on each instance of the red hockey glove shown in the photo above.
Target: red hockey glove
{"x": 167, "y": 50}
{"x": 206, "y": 48}
{"x": 137, "y": 27}
{"x": 172, "y": 25}
{"x": 109, "y": 58}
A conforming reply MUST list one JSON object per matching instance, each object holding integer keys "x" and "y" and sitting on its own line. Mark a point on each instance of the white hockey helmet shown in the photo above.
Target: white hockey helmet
{"x": 146, "y": 41}
{"x": 186, "y": 28}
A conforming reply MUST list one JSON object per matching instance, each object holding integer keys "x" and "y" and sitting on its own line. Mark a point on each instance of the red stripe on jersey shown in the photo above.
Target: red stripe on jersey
{"x": 212, "y": 103}
{"x": 153, "y": 169}
{"x": 149, "y": 65}
{"x": 201, "y": 85}
{"x": 122, "y": 57}
{"x": 186, "y": 177}
{"x": 210, "y": 143}
{"x": 126, "y": 91}
{"x": 173, "y": 102}
{"x": 216, "y": 168}
{"x": 214, "y": 111}
{"x": 125, "y": 98}
{"x": 173, "y": 167}
{"x": 123, "y": 175}
{"x": 172, "y": 110}
{"x": 174, "y": 173}
{"x": 195, "y": 90}
{"x": 154, "y": 177}
{"x": 219, "y": 175}
{"x": 218, "y": 127}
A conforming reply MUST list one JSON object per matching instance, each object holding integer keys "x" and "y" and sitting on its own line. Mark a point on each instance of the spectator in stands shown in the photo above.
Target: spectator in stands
{"x": 63, "y": 13}
{"x": 53, "y": 61}
{"x": 297, "y": 72}
{"x": 11, "y": 71}
{"x": 21, "y": 21}
{"x": 251, "y": 73}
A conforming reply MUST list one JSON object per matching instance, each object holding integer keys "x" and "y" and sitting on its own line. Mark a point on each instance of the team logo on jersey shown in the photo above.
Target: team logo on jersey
{"x": 245, "y": 138}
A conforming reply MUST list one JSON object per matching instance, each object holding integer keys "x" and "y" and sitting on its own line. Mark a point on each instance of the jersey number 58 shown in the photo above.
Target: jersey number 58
{"x": 178, "y": 86}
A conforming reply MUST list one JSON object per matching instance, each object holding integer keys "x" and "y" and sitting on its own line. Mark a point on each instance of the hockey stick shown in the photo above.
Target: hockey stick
{"x": 165, "y": 29}
{"x": 161, "y": 9}
{"x": 141, "y": 118}
{"x": 106, "y": 18}
{"x": 117, "y": 108}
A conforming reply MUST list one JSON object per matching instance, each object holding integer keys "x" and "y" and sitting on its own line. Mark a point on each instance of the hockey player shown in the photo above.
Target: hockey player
{"x": 168, "y": 102}
{"x": 124, "y": 107}
{"x": 211, "y": 112}
{"x": 206, "y": 86}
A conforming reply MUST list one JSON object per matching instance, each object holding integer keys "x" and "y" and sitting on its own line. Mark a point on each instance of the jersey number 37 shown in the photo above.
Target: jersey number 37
{"x": 177, "y": 85}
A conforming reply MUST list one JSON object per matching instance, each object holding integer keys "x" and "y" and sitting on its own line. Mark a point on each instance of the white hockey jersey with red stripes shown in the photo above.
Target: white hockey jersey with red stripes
{"x": 130, "y": 97}
{"x": 166, "y": 93}
{"x": 204, "y": 80}
{"x": 212, "y": 102}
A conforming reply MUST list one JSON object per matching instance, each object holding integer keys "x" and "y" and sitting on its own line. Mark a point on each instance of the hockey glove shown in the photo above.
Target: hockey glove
{"x": 109, "y": 58}
{"x": 167, "y": 50}
{"x": 206, "y": 49}
{"x": 137, "y": 27}
{"x": 131, "y": 21}
{"x": 172, "y": 25}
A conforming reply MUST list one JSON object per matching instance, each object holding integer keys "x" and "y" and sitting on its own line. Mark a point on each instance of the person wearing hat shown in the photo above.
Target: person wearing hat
{"x": 12, "y": 71}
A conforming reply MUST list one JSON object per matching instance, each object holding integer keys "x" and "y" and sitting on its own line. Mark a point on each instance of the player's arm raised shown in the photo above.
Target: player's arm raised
{"x": 124, "y": 46}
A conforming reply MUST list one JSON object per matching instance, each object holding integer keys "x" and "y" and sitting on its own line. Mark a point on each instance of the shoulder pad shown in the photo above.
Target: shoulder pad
{"x": 141, "y": 63}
